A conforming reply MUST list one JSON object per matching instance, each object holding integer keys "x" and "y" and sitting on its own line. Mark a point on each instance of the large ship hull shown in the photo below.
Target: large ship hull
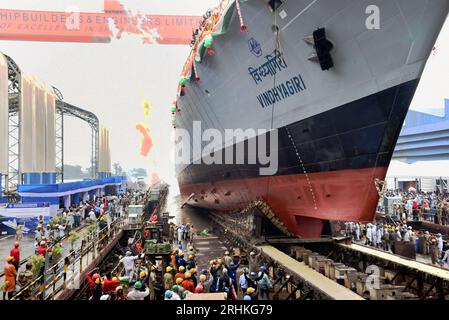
{"x": 336, "y": 130}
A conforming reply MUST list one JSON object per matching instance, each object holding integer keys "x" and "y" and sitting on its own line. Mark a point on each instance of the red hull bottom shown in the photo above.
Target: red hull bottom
{"x": 304, "y": 205}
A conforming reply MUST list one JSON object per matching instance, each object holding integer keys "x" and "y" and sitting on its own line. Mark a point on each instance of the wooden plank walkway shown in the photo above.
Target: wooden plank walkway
{"x": 329, "y": 287}
{"x": 404, "y": 262}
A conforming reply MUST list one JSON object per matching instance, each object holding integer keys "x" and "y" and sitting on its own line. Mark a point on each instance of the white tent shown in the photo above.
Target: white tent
{"x": 421, "y": 169}
{"x": 427, "y": 172}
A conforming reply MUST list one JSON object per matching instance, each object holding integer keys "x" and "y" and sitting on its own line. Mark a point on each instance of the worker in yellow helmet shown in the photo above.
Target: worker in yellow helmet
{"x": 97, "y": 292}
{"x": 10, "y": 278}
{"x": 191, "y": 261}
{"x": 143, "y": 276}
{"x": 180, "y": 273}
{"x": 179, "y": 281}
{"x": 168, "y": 278}
{"x": 251, "y": 292}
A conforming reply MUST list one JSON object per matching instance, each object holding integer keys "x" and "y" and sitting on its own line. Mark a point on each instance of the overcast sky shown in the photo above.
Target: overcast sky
{"x": 112, "y": 79}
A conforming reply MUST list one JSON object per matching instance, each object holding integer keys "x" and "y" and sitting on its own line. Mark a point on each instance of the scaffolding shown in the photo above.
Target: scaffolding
{"x": 63, "y": 109}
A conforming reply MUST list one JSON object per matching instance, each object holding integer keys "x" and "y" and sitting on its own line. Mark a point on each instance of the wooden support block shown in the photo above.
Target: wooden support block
{"x": 341, "y": 270}
{"x": 327, "y": 267}
{"x": 332, "y": 269}
{"x": 350, "y": 278}
{"x": 361, "y": 283}
{"x": 311, "y": 258}
{"x": 384, "y": 291}
{"x": 319, "y": 264}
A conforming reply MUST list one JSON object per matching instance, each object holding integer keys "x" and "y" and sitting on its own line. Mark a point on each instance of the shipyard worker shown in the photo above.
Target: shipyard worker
{"x": 254, "y": 260}
{"x": 188, "y": 283}
{"x": 407, "y": 235}
{"x": 253, "y": 280}
{"x": 264, "y": 283}
{"x": 190, "y": 261}
{"x": 38, "y": 234}
{"x": 48, "y": 232}
{"x": 251, "y": 293}
{"x": 373, "y": 235}
{"x": 180, "y": 262}
{"x": 369, "y": 237}
{"x": 110, "y": 284}
{"x": 61, "y": 230}
{"x": 139, "y": 292}
{"x": 15, "y": 253}
{"x": 97, "y": 290}
{"x": 398, "y": 234}
{"x": 92, "y": 216}
{"x": 206, "y": 282}
{"x": 70, "y": 220}
{"x": 180, "y": 233}
{"x": 19, "y": 232}
{"x": 227, "y": 258}
{"x": 173, "y": 259}
{"x": 10, "y": 278}
{"x": 386, "y": 239}
{"x": 445, "y": 259}
{"x": 180, "y": 273}
{"x": 434, "y": 250}
{"x": 42, "y": 250}
{"x": 224, "y": 281}
{"x": 232, "y": 271}
{"x": 168, "y": 295}
{"x": 128, "y": 264}
{"x": 186, "y": 232}
{"x": 426, "y": 245}
{"x": 357, "y": 232}
{"x": 191, "y": 233}
{"x": 91, "y": 280}
{"x": 168, "y": 278}
{"x": 380, "y": 234}
{"x": 243, "y": 284}
{"x": 193, "y": 276}
{"x": 175, "y": 290}
{"x": 440, "y": 244}
{"x": 158, "y": 288}
{"x": 24, "y": 279}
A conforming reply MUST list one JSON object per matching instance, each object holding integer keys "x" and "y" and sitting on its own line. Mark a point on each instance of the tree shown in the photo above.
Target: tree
{"x": 139, "y": 172}
{"x": 73, "y": 172}
{"x": 118, "y": 171}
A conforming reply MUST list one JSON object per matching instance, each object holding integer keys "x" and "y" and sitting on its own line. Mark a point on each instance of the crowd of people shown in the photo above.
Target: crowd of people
{"x": 182, "y": 278}
{"x": 141, "y": 280}
{"x": 386, "y": 236}
{"x": 420, "y": 206}
{"x": 49, "y": 233}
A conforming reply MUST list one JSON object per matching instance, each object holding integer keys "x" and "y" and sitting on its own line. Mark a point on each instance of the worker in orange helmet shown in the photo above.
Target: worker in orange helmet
{"x": 15, "y": 253}
{"x": 10, "y": 278}
{"x": 188, "y": 283}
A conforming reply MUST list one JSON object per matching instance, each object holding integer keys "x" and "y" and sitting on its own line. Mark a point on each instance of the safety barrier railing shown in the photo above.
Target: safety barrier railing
{"x": 60, "y": 240}
{"x": 54, "y": 279}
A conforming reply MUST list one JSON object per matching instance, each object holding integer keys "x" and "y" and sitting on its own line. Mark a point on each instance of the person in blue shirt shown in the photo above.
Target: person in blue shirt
{"x": 232, "y": 271}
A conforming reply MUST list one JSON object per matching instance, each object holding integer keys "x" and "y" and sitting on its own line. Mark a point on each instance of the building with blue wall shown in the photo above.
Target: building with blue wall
{"x": 63, "y": 195}
{"x": 425, "y": 136}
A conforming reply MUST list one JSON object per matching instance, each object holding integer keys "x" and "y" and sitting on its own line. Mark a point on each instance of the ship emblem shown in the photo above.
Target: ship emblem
{"x": 254, "y": 47}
